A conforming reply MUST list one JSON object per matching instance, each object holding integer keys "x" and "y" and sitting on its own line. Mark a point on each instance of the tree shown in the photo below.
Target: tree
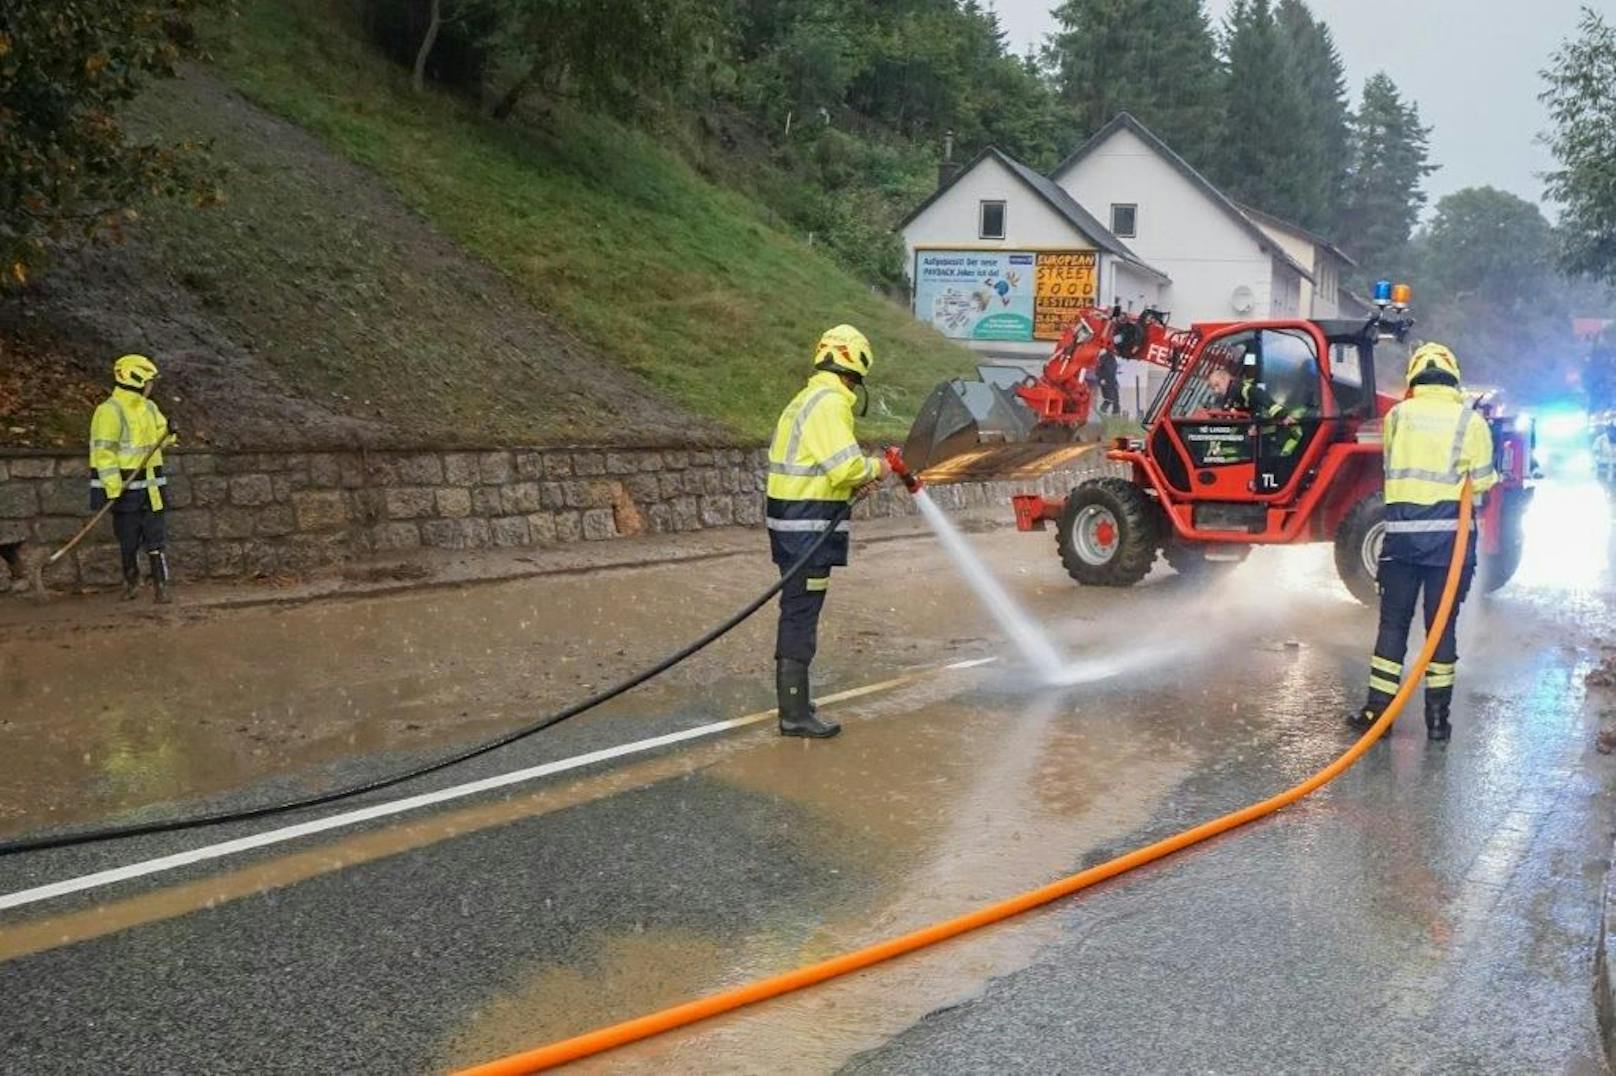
{"x": 1316, "y": 67}
{"x": 67, "y": 170}
{"x": 1388, "y": 165}
{"x": 1263, "y": 159}
{"x": 428, "y": 39}
{"x": 1487, "y": 285}
{"x": 1581, "y": 97}
{"x": 1490, "y": 246}
{"x": 446, "y": 42}
{"x": 1154, "y": 58}
{"x": 605, "y": 53}
{"x": 811, "y": 66}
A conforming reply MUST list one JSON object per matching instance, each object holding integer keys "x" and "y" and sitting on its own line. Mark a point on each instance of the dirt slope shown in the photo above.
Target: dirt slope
{"x": 314, "y": 308}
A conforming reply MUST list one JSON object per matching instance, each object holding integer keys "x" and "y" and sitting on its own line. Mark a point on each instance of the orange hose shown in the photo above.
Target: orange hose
{"x": 614, "y": 1035}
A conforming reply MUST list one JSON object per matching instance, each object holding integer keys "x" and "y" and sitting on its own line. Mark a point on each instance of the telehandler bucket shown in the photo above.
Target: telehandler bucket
{"x": 961, "y": 415}
{"x": 968, "y": 431}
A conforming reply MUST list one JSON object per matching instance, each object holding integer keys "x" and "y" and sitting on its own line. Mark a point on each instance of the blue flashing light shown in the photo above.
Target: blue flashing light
{"x": 1383, "y": 292}
{"x": 1563, "y": 426}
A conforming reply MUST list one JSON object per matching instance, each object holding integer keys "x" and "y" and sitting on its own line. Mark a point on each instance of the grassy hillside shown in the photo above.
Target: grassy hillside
{"x": 314, "y": 308}
{"x": 684, "y": 283}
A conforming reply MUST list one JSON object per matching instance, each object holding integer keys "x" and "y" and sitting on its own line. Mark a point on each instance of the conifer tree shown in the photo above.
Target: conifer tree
{"x": 1385, "y": 193}
{"x": 1156, "y": 59}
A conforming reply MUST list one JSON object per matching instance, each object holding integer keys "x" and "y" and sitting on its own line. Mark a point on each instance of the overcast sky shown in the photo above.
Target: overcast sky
{"x": 1471, "y": 65}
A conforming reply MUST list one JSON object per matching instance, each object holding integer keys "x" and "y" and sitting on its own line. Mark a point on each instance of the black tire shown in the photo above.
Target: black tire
{"x": 1357, "y": 547}
{"x": 1498, "y": 568}
{"x": 1114, "y": 508}
{"x": 1190, "y": 559}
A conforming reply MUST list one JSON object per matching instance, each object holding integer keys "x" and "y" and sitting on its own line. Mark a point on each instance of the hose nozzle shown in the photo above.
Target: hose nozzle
{"x": 901, "y": 469}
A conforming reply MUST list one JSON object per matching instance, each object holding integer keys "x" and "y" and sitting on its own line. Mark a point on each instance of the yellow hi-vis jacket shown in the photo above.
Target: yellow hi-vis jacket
{"x": 815, "y": 464}
{"x": 124, "y": 428}
{"x": 1433, "y": 442}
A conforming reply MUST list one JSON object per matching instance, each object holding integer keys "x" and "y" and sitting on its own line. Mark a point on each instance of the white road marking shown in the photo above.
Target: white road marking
{"x": 207, "y": 852}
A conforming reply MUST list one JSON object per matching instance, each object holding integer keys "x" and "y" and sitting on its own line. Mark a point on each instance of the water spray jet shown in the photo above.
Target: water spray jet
{"x": 1029, "y": 639}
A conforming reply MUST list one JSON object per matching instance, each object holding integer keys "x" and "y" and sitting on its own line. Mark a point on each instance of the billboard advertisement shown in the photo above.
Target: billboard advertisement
{"x": 976, "y": 294}
{"x": 1014, "y": 295}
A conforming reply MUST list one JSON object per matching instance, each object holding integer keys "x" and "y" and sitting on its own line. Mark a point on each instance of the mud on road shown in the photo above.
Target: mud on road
{"x": 239, "y": 684}
{"x": 1434, "y": 907}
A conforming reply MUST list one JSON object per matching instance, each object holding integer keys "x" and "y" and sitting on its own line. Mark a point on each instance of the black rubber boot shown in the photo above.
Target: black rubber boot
{"x": 797, "y": 717}
{"x": 131, "y": 580}
{"x": 1436, "y": 719}
{"x": 159, "y": 577}
{"x": 1363, "y": 717}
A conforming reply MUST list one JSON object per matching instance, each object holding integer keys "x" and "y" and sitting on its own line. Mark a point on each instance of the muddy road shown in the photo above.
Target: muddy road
{"x": 1436, "y": 908}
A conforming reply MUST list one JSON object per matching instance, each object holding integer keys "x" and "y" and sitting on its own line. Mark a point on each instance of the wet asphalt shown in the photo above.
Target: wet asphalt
{"x": 1435, "y": 909}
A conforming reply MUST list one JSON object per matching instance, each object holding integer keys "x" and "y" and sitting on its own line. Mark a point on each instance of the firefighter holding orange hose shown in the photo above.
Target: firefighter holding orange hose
{"x": 1434, "y": 443}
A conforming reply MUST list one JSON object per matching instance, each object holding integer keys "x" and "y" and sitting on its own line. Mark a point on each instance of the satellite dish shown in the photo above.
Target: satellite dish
{"x": 1243, "y": 299}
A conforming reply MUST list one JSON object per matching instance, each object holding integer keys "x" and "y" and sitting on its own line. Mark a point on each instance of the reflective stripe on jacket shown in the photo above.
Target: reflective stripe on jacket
{"x": 815, "y": 464}
{"x": 123, "y": 429}
{"x": 1254, "y": 397}
{"x": 1433, "y": 442}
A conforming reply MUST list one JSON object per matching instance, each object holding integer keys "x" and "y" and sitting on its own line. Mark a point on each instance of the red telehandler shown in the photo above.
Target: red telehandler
{"x": 1210, "y": 480}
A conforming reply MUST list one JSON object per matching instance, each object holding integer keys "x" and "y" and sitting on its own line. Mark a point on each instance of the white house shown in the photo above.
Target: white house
{"x": 1223, "y": 265}
{"x": 1322, "y": 297}
{"x": 998, "y": 257}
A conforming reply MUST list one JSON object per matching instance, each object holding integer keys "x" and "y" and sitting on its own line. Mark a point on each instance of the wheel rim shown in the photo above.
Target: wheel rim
{"x": 1095, "y": 534}
{"x": 1374, "y": 538}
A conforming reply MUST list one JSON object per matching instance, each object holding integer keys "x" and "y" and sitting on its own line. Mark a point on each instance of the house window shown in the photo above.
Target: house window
{"x": 991, "y": 221}
{"x": 1124, "y": 220}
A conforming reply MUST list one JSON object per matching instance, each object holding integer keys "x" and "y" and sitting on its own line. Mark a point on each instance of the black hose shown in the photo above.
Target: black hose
{"x": 141, "y": 829}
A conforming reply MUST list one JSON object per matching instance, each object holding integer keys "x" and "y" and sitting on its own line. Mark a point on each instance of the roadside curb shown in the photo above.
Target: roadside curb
{"x": 353, "y": 592}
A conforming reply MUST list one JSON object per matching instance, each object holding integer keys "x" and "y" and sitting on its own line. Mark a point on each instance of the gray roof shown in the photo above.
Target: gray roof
{"x": 1058, "y": 200}
{"x": 1200, "y": 182}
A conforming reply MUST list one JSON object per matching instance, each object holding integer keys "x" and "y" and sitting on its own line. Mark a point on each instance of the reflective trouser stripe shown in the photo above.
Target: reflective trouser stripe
{"x": 1440, "y": 674}
{"x": 1386, "y": 687}
{"x": 1386, "y": 665}
{"x": 815, "y": 582}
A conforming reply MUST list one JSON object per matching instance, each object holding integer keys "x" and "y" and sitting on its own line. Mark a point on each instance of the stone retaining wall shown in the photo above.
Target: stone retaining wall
{"x": 244, "y": 514}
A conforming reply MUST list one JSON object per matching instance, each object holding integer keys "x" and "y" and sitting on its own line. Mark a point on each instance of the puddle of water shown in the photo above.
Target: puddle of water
{"x": 626, "y": 973}
{"x": 986, "y": 803}
{"x": 233, "y": 698}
